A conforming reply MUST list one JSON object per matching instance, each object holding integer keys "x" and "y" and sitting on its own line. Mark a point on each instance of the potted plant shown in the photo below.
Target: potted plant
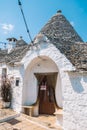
{"x": 6, "y": 92}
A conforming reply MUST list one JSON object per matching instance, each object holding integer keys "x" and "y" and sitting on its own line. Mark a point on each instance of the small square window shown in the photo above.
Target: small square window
{"x": 17, "y": 82}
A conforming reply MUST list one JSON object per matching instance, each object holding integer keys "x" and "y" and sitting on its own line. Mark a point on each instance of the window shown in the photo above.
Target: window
{"x": 17, "y": 81}
{"x": 4, "y": 72}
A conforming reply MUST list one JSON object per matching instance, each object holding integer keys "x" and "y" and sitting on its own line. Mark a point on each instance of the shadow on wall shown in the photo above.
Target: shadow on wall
{"x": 77, "y": 83}
{"x": 85, "y": 79}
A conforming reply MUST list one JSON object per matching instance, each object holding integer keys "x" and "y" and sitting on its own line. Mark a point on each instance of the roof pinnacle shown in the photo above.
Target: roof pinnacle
{"x": 59, "y": 11}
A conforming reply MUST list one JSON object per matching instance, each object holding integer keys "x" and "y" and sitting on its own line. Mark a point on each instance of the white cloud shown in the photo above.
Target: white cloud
{"x": 7, "y": 28}
{"x": 72, "y": 23}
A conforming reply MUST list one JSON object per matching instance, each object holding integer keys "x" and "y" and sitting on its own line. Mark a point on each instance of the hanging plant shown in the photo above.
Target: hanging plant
{"x": 6, "y": 93}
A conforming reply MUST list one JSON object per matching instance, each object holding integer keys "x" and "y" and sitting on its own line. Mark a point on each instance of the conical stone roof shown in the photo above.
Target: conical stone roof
{"x": 59, "y": 30}
{"x": 62, "y": 34}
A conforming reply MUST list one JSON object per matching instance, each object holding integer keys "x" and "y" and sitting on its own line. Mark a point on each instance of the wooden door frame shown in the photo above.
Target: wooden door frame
{"x": 46, "y": 74}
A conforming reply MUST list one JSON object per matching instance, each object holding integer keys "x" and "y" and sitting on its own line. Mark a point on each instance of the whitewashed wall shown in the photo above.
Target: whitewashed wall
{"x": 2, "y": 65}
{"x": 17, "y": 73}
{"x": 75, "y": 101}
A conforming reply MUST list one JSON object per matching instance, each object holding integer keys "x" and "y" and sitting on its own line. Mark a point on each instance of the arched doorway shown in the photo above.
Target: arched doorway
{"x": 41, "y": 71}
{"x": 46, "y": 93}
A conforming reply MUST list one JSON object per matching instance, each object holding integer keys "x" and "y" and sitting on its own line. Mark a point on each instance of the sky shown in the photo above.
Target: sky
{"x": 37, "y": 14}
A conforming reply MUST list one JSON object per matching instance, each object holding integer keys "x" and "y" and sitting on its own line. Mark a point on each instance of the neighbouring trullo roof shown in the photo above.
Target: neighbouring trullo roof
{"x": 60, "y": 33}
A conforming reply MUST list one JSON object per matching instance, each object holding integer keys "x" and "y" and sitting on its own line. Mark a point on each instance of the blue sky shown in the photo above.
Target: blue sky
{"x": 37, "y": 13}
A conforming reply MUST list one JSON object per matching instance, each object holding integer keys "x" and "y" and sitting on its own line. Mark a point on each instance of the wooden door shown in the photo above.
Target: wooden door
{"x": 46, "y": 97}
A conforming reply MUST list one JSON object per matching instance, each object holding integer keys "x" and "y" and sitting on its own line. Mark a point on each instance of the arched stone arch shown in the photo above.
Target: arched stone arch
{"x": 49, "y": 50}
{"x": 42, "y": 64}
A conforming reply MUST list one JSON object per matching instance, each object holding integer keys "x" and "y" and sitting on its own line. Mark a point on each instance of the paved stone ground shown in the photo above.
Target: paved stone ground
{"x": 48, "y": 121}
{"x": 22, "y": 123}
{"x": 25, "y": 122}
{"x": 6, "y": 112}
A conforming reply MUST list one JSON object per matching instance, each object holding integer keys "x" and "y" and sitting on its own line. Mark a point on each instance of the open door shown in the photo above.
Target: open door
{"x": 47, "y": 83}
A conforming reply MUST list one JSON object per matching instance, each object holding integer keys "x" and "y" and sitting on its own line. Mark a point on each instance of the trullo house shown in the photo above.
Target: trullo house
{"x": 51, "y": 73}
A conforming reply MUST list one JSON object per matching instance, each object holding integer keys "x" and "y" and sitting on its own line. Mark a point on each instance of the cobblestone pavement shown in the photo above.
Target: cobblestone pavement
{"x": 23, "y": 123}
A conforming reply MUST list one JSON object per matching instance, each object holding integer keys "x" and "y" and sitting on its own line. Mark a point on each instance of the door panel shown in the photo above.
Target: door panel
{"x": 46, "y": 97}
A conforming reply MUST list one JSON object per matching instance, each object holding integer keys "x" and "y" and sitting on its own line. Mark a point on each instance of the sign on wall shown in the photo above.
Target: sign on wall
{"x": 43, "y": 87}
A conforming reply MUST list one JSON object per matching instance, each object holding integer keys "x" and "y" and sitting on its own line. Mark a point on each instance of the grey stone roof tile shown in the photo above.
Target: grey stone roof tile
{"x": 59, "y": 30}
{"x": 20, "y": 43}
{"x": 17, "y": 54}
{"x": 61, "y": 33}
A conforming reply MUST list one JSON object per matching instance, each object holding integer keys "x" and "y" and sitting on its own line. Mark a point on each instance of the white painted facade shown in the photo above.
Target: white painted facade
{"x": 71, "y": 87}
{"x": 75, "y": 101}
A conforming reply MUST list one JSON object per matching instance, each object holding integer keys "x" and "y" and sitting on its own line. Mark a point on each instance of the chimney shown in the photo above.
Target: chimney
{"x": 11, "y": 43}
{"x": 59, "y": 12}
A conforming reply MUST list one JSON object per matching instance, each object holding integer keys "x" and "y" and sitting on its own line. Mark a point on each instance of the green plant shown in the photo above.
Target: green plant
{"x": 6, "y": 90}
